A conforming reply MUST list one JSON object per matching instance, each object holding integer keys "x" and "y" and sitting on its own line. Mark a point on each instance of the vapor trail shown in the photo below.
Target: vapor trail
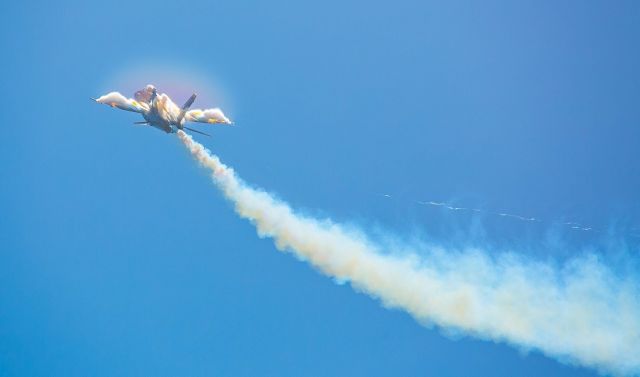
{"x": 580, "y": 313}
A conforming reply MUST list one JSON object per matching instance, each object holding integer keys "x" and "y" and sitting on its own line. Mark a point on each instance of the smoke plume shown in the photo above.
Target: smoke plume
{"x": 579, "y": 313}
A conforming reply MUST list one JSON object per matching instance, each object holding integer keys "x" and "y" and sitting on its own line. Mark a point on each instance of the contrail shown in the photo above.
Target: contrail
{"x": 580, "y": 313}
{"x": 570, "y": 225}
{"x": 574, "y": 226}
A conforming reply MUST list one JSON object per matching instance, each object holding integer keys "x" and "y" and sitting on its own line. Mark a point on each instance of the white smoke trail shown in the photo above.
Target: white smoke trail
{"x": 580, "y": 313}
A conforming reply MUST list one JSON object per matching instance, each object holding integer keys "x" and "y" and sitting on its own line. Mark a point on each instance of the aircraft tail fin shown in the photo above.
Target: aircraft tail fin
{"x": 189, "y": 102}
{"x": 186, "y": 107}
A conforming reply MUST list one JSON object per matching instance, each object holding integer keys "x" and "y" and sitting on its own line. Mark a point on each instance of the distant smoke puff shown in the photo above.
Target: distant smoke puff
{"x": 580, "y": 313}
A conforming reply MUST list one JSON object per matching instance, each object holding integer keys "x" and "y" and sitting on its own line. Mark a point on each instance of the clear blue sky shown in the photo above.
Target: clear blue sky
{"x": 118, "y": 256}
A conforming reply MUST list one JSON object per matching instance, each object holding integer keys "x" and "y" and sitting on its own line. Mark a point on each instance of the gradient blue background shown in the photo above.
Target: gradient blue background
{"x": 119, "y": 258}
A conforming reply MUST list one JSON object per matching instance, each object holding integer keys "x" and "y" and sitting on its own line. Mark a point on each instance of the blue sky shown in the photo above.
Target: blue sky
{"x": 119, "y": 257}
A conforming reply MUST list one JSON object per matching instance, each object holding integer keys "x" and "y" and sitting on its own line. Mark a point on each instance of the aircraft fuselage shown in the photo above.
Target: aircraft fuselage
{"x": 160, "y": 119}
{"x": 156, "y": 120}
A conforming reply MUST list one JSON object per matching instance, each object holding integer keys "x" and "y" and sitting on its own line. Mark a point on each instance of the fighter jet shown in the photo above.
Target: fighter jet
{"x": 160, "y": 112}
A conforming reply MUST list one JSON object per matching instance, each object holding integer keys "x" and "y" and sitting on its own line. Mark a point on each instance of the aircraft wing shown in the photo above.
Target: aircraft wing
{"x": 115, "y": 99}
{"x": 206, "y": 116}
